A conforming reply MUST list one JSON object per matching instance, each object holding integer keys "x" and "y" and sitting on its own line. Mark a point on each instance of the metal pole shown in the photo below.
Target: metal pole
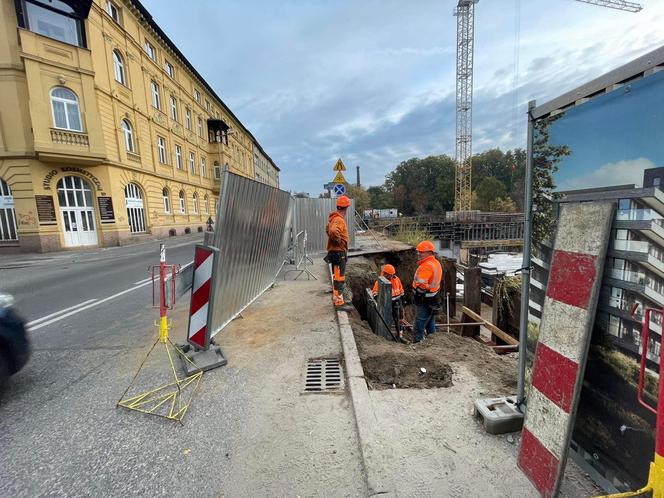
{"x": 448, "y": 312}
{"x": 163, "y": 324}
{"x": 525, "y": 272}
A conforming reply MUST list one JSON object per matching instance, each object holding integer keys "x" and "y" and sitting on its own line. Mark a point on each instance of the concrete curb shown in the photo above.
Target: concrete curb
{"x": 365, "y": 420}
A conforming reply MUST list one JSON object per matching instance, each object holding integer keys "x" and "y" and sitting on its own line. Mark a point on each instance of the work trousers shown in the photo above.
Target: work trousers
{"x": 338, "y": 262}
{"x": 425, "y": 321}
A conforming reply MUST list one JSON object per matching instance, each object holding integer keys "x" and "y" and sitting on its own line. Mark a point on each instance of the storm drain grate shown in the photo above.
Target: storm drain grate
{"x": 323, "y": 375}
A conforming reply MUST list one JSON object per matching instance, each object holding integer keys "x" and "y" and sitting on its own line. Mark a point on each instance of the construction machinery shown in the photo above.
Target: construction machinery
{"x": 465, "y": 14}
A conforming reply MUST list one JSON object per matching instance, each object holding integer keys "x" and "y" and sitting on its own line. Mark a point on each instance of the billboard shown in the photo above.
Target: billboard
{"x": 603, "y": 141}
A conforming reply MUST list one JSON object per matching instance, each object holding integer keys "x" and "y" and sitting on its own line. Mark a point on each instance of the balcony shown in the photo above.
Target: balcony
{"x": 639, "y": 251}
{"x": 649, "y": 222}
{"x": 67, "y": 137}
{"x": 633, "y": 281}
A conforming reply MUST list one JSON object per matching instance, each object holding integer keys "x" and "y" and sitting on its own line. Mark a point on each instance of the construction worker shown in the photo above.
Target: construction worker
{"x": 390, "y": 273}
{"x": 426, "y": 289}
{"x": 337, "y": 250}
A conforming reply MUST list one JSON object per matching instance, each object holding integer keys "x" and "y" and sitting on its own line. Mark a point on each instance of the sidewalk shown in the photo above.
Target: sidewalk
{"x": 285, "y": 443}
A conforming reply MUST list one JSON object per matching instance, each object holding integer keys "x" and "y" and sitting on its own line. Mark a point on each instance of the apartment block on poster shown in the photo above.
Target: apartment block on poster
{"x": 601, "y": 142}
{"x": 567, "y": 320}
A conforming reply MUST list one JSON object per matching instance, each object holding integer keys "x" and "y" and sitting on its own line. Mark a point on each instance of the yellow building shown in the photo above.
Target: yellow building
{"x": 108, "y": 135}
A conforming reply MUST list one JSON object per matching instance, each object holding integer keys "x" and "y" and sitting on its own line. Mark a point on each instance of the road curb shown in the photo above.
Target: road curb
{"x": 365, "y": 420}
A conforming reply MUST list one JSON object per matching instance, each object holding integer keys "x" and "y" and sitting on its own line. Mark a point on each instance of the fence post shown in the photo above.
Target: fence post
{"x": 472, "y": 299}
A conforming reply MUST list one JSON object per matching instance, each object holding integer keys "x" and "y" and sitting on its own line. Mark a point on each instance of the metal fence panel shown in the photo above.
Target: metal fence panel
{"x": 252, "y": 235}
{"x": 311, "y": 215}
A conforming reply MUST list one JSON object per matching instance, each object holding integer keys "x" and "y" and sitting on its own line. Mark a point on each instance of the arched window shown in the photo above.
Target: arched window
{"x": 195, "y": 202}
{"x": 128, "y": 135}
{"x": 119, "y": 68}
{"x": 66, "y": 112}
{"x": 167, "y": 200}
{"x": 183, "y": 202}
{"x": 206, "y": 204}
{"x": 7, "y": 214}
{"x": 135, "y": 208}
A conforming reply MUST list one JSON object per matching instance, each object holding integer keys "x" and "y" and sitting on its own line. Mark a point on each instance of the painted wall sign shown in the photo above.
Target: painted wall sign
{"x": 45, "y": 209}
{"x": 106, "y": 212}
{"x": 46, "y": 183}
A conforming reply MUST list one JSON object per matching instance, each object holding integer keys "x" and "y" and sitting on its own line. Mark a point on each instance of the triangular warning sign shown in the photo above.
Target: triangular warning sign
{"x": 339, "y": 166}
{"x": 339, "y": 178}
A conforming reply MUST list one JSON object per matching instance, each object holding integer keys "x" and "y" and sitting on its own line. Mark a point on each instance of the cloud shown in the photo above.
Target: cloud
{"x": 628, "y": 171}
{"x": 373, "y": 82}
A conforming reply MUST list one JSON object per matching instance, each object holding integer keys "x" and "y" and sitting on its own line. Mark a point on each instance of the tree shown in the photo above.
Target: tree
{"x": 546, "y": 158}
{"x": 502, "y": 205}
{"x": 488, "y": 191}
{"x": 379, "y": 198}
{"x": 362, "y": 199}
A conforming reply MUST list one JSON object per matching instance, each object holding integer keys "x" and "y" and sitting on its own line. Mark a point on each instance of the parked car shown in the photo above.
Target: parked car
{"x": 14, "y": 343}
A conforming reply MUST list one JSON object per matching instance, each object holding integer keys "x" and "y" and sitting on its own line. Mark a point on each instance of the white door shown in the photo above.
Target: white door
{"x": 7, "y": 215}
{"x": 135, "y": 208}
{"x": 77, "y": 212}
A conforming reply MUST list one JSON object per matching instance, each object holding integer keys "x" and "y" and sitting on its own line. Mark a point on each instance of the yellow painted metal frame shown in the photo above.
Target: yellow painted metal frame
{"x": 655, "y": 482}
{"x": 168, "y": 395}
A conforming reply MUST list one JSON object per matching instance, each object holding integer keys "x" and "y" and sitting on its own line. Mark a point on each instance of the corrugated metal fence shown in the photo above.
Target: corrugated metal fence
{"x": 311, "y": 215}
{"x": 252, "y": 235}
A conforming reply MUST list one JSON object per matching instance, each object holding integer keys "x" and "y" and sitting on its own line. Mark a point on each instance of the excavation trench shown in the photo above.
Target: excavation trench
{"x": 388, "y": 364}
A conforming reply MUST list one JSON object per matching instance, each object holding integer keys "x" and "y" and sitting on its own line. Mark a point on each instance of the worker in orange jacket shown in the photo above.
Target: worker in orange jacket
{"x": 390, "y": 273}
{"x": 337, "y": 250}
{"x": 426, "y": 289}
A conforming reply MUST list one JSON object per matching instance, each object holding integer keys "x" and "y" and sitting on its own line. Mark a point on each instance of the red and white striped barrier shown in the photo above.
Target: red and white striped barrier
{"x": 199, "y": 311}
{"x": 567, "y": 321}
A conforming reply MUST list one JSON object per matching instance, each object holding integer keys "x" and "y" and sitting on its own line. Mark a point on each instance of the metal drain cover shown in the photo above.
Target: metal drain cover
{"x": 323, "y": 375}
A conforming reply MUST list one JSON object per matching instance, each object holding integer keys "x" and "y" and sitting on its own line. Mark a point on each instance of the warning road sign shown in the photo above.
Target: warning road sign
{"x": 339, "y": 166}
{"x": 339, "y": 189}
{"x": 339, "y": 178}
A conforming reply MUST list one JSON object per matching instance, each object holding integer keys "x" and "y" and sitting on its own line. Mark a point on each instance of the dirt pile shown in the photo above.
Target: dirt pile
{"x": 403, "y": 371}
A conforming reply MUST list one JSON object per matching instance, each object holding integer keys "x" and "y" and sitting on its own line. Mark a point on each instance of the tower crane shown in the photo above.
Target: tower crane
{"x": 465, "y": 14}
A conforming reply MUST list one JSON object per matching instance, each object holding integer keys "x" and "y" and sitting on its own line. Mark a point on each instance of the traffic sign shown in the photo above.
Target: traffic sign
{"x": 339, "y": 166}
{"x": 328, "y": 186}
{"x": 339, "y": 178}
{"x": 339, "y": 189}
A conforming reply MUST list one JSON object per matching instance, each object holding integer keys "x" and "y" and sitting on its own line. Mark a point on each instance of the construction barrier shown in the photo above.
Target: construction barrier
{"x": 311, "y": 215}
{"x": 199, "y": 312}
{"x": 567, "y": 320}
{"x": 252, "y": 234}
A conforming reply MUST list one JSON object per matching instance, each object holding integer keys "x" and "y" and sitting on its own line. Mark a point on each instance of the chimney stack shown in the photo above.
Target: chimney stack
{"x": 358, "y": 175}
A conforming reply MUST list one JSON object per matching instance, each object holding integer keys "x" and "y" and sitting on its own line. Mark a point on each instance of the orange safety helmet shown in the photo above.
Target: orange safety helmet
{"x": 343, "y": 202}
{"x": 389, "y": 269}
{"x": 426, "y": 246}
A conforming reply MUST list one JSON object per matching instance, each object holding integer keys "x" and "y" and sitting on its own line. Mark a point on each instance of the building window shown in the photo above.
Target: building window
{"x": 170, "y": 70}
{"x": 178, "y": 157}
{"x": 161, "y": 149}
{"x": 206, "y": 204}
{"x": 128, "y": 135}
{"x": 174, "y": 108}
{"x": 66, "y": 111}
{"x": 217, "y": 170}
{"x": 203, "y": 167}
{"x": 156, "y": 98}
{"x": 194, "y": 200}
{"x": 183, "y": 202}
{"x": 197, "y": 96}
{"x": 187, "y": 118}
{"x": 54, "y": 19}
{"x": 113, "y": 11}
{"x": 200, "y": 127}
{"x": 167, "y": 200}
{"x": 8, "y": 225}
{"x": 135, "y": 208}
{"x": 192, "y": 163}
{"x": 150, "y": 50}
{"x": 207, "y": 105}
{"x": 118, "y": 68}
{"x": 656, "y": 182}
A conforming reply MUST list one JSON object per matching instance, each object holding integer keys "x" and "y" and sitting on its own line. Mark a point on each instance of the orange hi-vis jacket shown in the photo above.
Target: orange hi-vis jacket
{"x": 428, "y": 276}
{"x": 337, "y": 233}
{"x": 397, "y": 288}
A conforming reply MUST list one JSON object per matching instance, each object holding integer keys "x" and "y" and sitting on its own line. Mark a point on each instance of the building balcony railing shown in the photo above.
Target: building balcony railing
{"x": 627, "y": 276}
{"x": 67, "y": 137}
{"x": 640, "y": 215}
{"x": 641, "y": 246}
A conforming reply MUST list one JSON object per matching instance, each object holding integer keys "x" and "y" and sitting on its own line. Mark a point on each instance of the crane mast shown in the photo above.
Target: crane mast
{"x": 465, "y": 14}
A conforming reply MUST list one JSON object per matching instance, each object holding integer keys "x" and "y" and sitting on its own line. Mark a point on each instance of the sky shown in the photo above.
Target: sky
{"x": 613, "y": 137}
{"x": 373, "y": 81}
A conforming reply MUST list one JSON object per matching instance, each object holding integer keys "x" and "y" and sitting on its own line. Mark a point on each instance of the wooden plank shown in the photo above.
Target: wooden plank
{"x": 472, "y": 297}
{"x": 492, "y": 328}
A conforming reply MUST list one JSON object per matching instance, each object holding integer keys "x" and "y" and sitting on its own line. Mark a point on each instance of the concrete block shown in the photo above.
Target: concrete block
{"x": 202, "y": 360}
{"x": 499, "y": 415}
